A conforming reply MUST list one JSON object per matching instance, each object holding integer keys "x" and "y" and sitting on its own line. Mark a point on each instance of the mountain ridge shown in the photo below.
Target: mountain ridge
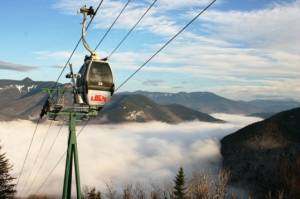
{"x": 24, "y": 98}
{"x": 138, "y": 108}
{"x": 19, "y": 102}
{"x": 265, "y": 155}
{"x": 208, "y": 102}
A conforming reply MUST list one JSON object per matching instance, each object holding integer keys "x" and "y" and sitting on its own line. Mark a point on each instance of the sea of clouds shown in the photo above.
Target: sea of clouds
{"x": 118, "y": 154}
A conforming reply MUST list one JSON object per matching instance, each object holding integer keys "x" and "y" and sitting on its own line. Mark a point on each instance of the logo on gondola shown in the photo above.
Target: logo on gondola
{"x": 98, "y": 98}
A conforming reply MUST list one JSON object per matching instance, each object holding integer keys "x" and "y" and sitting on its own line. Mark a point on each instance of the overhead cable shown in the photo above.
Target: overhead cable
{"x": 45, "y": 158}
{"x": 28, "y": 150}
{"x": 77, "y": 44}
{"x": 38, "y": 155}
{"x": 165, "y": 45}
{"x": 111, "y": 26}
{"x": 130, "y": 31}
{"x": 57, "y": 163}
{"x": 124, "y": 82}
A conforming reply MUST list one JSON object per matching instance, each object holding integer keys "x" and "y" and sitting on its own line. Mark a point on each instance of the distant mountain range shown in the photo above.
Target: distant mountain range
{"x": 21, "y": 99}
{"x": 211, "y": 103}
{"x": 138, "y": 108}
{"x": 265, "y": 156}
{"x": 24, "y": 99}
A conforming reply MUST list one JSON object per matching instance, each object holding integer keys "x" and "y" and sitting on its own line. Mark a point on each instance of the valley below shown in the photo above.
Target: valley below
{"x": 144, "y": 137}
{"x": 121, "y": 154}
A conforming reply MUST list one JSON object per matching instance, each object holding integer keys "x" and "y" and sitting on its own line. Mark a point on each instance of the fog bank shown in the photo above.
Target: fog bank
{"x": 125, "y": 153}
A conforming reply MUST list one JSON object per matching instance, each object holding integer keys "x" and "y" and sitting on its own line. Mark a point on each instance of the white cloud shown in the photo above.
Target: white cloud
{"x": 123, "y": 153}
{"x": 58, "y": 59}
{"x": 217, "y": 62}
{"x": 268, "y": 89}
{"x": 59, "y": 56}
{"x": 153, "y": 22}
{"x": 276, "y": 27}
{"x": 180, "y": 4}
{"x": 245, "y": 48}
{"x": 15, "y": 67}
{"x": 246, "y": 68}
{"x": 50, "y": 55}
{"x": 157, "y": 21}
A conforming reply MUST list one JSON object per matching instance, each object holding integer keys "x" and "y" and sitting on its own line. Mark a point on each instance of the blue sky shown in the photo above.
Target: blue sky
{"x": 239, "y": 49}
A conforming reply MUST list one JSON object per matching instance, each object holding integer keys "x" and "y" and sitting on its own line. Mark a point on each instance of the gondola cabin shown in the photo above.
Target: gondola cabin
{"x": 95, "y": 83}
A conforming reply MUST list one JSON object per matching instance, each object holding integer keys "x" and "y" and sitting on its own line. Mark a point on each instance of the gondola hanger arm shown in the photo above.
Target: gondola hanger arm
{"x": 86, "y": 12}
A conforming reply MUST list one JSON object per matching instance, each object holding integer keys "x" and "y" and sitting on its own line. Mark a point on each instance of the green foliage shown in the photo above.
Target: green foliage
{"x": 179, "y": 190}
{"x": 7, "y": 188}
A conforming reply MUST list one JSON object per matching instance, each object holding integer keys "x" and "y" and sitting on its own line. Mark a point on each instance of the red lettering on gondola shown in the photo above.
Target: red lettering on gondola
{"x": 99, "y": 98}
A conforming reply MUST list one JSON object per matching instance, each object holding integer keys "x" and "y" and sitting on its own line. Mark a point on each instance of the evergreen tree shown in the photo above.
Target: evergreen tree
{"x": 7, "y": 188}
{"x": 179, "y": 190}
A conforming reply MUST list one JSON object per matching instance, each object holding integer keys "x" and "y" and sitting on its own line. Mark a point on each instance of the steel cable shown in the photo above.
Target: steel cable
{"x": 127, "y": 79}
{"x": 77, "y": 44}
{"x": 45, "y": 158}
{"x": 130, "y": 31}
{"x": 111, "y": 26}
{"x": 59, "y": 160}
{"x": 28, "y": 150}
{"x": 38, "y": 155}
{"x": 165, "y": 45}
